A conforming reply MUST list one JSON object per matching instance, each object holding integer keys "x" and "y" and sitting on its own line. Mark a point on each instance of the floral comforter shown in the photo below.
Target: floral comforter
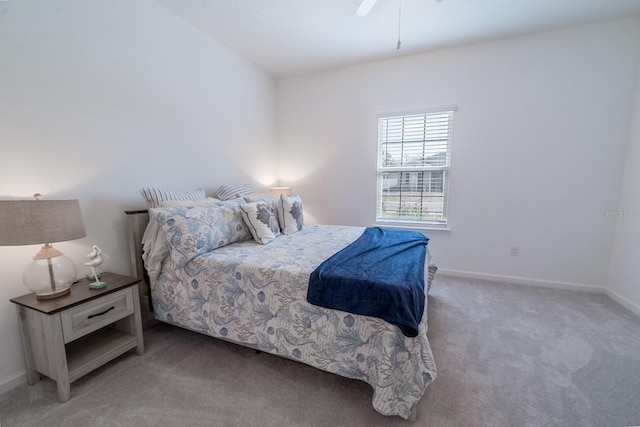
{"x": 256, "y": 295}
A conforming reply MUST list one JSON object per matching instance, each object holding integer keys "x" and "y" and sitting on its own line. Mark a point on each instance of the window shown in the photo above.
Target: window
{"x": 414, "y": 156}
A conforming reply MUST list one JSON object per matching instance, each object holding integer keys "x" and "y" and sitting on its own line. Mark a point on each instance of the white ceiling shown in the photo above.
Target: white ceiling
{"x": 287, "y": 37}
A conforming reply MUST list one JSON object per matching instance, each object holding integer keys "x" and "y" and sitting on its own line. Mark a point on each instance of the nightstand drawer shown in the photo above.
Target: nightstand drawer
{"x": 93, "y": 315}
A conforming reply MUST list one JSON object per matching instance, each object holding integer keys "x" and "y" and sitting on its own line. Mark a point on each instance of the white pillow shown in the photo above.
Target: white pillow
{"x": 154, "y": 196}
{"x": 262, "y": 219}
{"x": 290, "y": 215}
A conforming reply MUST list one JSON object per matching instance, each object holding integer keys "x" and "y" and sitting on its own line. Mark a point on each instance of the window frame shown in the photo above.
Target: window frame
{"x": 382, "y": 170}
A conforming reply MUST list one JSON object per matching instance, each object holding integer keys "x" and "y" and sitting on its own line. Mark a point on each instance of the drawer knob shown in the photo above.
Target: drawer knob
{"x": 100, "y": 314}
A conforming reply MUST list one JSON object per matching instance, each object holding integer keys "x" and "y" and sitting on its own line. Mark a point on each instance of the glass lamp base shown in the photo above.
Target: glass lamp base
{"x": 51, "y": 294}
{"x": 50, "y": 275}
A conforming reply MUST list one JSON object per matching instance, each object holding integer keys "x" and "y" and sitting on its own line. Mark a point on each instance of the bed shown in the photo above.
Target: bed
{"x": 255, "y": 295}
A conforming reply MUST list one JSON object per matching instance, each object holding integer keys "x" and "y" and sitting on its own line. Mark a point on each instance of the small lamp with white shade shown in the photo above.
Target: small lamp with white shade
{"x": 277, "y": 191}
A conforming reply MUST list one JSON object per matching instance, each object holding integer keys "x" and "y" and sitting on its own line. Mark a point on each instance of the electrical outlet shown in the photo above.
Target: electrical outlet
{"x": 515, "y": 251}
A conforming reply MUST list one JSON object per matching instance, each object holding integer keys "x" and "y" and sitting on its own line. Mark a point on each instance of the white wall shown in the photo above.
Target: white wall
{"x": 98, "y": 99}
{"x": 624, "y": 276}
{"x": 539, "y": 142}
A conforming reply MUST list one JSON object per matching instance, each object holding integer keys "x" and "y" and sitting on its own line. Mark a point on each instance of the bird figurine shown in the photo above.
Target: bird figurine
{"x": 95, "y": 260}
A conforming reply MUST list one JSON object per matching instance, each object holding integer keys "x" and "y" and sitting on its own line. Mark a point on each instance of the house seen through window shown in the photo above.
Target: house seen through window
{"x": 414, "y": 157}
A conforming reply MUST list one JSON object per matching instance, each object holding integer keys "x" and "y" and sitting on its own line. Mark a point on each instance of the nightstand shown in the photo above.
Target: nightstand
{"x": 67, "y": 337}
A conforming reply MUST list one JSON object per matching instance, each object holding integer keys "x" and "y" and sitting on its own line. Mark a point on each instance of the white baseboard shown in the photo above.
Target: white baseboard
{"x": 522, "y": 280}
{"x": 623, "y": 301}
{"x": 10, "y": 383}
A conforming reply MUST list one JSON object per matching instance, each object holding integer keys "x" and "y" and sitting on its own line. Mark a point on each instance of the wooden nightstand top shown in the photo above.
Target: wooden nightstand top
{"x": 80, "y": 293}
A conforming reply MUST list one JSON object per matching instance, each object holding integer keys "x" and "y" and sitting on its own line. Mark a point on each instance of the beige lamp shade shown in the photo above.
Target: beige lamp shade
{"x": 31, "y": 222}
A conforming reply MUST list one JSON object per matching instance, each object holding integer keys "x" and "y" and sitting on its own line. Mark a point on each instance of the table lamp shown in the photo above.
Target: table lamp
{"x": 29, "y": 222}
{"x": 277, "y": 191}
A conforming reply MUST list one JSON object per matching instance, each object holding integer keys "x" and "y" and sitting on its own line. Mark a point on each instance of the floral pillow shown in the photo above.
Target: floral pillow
{"x": 194, "y": 230}
{"x": 262, "y": 219}
{"x": 291, "y": 218}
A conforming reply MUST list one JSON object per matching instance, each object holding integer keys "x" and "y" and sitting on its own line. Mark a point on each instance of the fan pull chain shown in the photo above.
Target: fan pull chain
{"x": 399, "y": 20}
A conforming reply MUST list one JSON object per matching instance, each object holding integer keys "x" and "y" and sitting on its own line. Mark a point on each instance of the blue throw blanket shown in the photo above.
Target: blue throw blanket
{"x": 381, "y": 274}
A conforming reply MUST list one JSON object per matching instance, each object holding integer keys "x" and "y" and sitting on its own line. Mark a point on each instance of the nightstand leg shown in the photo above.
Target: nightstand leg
{"x": 57, "y": 356}
{"x": 64, "y": 390}
{"x": 33, "y": 376}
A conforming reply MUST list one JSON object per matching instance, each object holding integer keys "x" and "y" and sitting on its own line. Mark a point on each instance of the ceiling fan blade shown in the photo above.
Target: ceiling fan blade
{"x": 365, "y": 7}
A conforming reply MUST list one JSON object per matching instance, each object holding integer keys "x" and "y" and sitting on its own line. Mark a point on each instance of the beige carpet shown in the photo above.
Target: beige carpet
{"x": 507, "y": 355}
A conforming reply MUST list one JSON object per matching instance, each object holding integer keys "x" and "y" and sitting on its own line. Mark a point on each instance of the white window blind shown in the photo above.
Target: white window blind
{"x": 414, "y": 157}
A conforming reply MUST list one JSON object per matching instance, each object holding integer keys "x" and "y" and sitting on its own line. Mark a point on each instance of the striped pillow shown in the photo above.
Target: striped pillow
{"x": 155, "y": 196}
{"x": 227, "y": 192}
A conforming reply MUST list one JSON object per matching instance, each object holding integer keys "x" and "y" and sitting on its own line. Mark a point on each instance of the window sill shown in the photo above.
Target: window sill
{"x": 413, "y": 226}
